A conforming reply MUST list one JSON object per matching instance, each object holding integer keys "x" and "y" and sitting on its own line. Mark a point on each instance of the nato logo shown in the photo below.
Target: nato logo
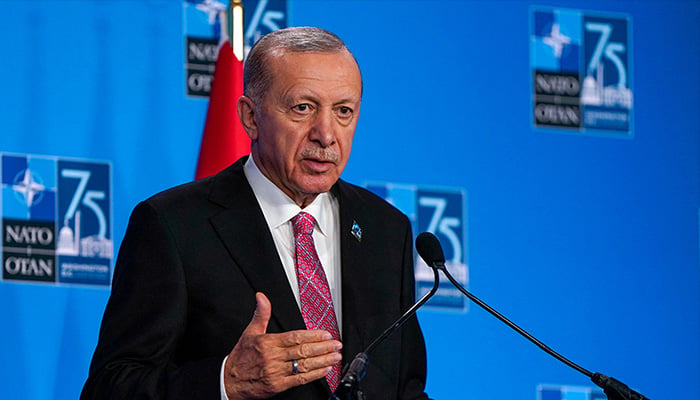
{"x": 443, "y": 212}
{"x": 581, "y": 66}
{"x": 206, "y": 27}
{"x": 205, "y": 23}
{"x": 56, "y": 220}
{"x": 560, "y": 392}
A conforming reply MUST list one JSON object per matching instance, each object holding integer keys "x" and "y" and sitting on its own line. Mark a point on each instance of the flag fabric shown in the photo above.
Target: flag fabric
{"x": 224, "y": 140}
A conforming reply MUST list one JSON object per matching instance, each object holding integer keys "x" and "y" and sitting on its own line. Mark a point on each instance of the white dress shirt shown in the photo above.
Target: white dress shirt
{"x": 279, "y": 210}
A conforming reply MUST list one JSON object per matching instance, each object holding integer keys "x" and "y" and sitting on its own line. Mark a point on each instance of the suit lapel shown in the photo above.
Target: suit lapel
{"x": 242, "y": 228}
{"x": 356, "y": 269}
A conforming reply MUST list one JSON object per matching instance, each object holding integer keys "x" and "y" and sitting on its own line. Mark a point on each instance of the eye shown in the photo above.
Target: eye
{"x": 345, "y": 112}
{"x": 302, "y": 108}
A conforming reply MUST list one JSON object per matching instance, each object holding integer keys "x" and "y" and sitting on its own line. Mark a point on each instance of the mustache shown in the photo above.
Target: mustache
{"x": 320, "y": 154}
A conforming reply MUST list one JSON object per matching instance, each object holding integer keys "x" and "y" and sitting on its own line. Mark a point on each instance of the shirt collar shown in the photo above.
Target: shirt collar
{"x": 278, "y": 208}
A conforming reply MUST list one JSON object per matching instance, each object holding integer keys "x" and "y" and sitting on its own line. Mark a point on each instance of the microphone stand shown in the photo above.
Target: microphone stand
{"x": 614, "y": 389}
{"x": 349, "y": 386}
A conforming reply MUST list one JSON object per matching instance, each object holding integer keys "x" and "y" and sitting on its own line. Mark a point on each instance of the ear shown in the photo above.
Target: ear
{"x": 246, "y": 113}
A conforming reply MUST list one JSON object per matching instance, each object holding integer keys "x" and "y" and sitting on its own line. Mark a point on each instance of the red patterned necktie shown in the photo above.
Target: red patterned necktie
{"x": 316, "y": 302}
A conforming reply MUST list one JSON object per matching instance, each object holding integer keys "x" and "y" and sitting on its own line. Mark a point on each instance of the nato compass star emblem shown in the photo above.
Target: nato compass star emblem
{"x": 556, "y": 40}
{"x": 28, "y": 187}
{"x": 211, "y": 7}
{"x": 356, "y": 231}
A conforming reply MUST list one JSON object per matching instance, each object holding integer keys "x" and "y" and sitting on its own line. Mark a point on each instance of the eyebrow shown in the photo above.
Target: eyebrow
{"x": 309, "y": 95}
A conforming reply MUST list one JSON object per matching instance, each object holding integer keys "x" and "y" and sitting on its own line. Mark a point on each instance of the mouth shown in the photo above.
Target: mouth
{"x": 318, "y": 165}
{"x": 319, "y": 160}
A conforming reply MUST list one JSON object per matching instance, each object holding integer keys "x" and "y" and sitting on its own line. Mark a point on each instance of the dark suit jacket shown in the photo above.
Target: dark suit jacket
{"x": 184, "y": 287}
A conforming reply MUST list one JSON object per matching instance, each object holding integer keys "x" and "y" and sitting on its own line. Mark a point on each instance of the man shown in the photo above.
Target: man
{"x": 217, "y": 291}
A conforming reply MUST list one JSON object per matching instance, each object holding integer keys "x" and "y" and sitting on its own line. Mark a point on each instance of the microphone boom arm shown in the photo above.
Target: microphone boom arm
{"x": 348, "y": 388}
{"x": 614, "y": 389}
{"x": 430, "y": 250}
{"x": 514, "y": 326}
{"x": 408, "y": 314}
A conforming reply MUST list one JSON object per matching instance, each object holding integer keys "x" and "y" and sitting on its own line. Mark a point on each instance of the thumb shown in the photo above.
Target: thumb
{"x": 261, "y": 317}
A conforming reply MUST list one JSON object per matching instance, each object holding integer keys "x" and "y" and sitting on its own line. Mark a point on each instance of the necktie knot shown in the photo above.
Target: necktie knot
{"x": 303, "y": 223}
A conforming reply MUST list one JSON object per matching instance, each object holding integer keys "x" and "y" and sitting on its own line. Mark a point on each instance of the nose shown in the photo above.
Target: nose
{"x": 322, "y": 130}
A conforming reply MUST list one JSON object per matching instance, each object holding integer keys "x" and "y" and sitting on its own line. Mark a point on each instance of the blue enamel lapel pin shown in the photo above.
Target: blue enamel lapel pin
{"x": 356, "y": 231}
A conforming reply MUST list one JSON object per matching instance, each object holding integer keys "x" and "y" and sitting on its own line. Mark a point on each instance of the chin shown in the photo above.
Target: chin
{"x": 316, "y": 186}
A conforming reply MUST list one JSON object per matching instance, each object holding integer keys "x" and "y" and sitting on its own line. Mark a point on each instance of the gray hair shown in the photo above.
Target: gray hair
{"x": 256, "y": 75}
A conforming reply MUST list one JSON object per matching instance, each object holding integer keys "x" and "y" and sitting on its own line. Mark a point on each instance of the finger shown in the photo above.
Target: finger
{"x": 261, "y": 317}
{"x": 295, "y": 338}
{"x": 319, "y": 362}
{"x": 305, "y": 377}
{"x": 313, "y": 349}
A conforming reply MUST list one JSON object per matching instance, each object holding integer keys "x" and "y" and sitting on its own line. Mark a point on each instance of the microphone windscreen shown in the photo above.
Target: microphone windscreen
{"x": 429, "y": 249}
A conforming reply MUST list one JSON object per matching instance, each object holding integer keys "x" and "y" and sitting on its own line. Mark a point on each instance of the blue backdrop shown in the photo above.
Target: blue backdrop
{"x": 589, "y": 240}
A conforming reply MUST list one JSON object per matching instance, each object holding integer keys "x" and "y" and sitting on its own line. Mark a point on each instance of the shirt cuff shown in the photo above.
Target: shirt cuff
{"x": 222, "y": 387}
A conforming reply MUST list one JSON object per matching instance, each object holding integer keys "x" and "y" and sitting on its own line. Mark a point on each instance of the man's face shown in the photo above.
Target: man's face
{"x": 303, "y": 126}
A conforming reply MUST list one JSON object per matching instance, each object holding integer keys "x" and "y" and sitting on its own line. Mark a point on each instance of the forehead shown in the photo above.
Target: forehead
{"x": 327, "y": 70}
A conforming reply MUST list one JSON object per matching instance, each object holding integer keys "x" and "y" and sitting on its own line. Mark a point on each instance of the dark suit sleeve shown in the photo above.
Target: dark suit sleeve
{"x": 145, "y": 317}
{"x": 413, "y": 369}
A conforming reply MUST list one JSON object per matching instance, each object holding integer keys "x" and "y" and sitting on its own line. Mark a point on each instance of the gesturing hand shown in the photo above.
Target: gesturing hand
{"x": 260, "y": 365}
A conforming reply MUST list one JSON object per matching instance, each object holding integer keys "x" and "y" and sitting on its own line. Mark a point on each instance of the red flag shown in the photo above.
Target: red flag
{"x": 224, "y": 140}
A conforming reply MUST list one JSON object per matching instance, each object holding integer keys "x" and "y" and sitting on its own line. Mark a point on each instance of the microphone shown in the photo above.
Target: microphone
{"x": 430, "y": 250}
{"x": 349, "y": 386}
